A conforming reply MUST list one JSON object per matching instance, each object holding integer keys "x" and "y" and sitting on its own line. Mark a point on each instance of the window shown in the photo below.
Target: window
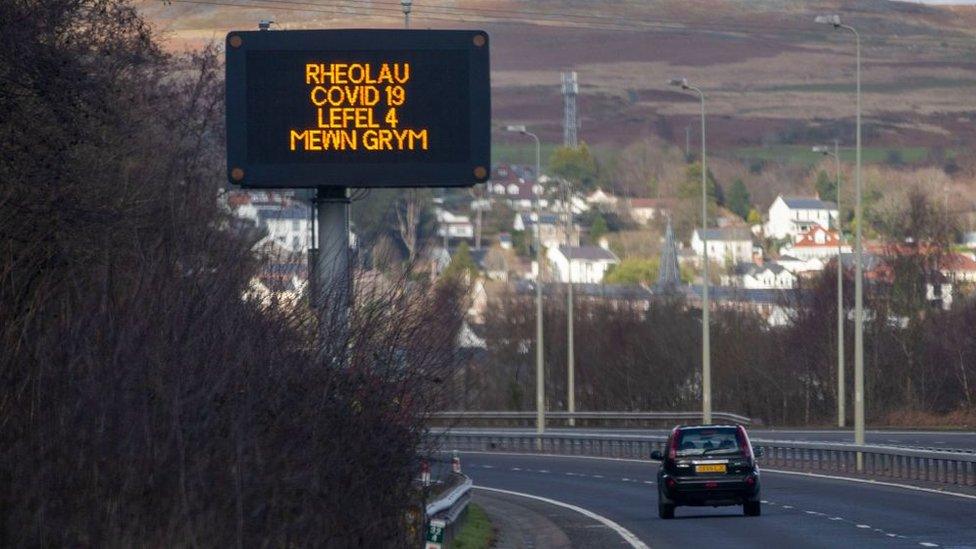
{"x": 720, "y": 440}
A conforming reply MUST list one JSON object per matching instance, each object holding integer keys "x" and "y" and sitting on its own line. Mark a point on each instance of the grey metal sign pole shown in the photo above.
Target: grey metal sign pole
{"x": 332, "y": 269}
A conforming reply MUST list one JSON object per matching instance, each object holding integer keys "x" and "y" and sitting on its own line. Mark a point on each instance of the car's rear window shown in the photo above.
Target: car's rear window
{"x": 721, "y": 440}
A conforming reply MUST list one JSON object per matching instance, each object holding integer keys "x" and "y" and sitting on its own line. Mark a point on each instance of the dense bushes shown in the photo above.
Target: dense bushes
{"x": 143, "y": 401}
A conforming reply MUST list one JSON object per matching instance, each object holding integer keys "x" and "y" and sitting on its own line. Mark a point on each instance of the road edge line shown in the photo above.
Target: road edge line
{"x": 761, "y": 469}
{"x": 869, "y": 481}
{"x": 628, "y": 536}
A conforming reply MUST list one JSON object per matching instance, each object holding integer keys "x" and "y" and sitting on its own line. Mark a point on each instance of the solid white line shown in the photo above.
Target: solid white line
{"x": 628, "y": 536}
{"x": 927, "y": 544}
{"x": 765, "y": 470}
{"x": 870, "y": 481}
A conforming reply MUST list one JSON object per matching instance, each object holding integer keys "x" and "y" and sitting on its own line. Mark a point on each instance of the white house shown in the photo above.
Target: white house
{"x": 580, "y": 264}
{"x": 601, "y": 199}
{"x": 766, "y": 276}
{"x": 790, "y": 216}
{"x": 289, "y": 226}
{"x": 799, "y": 266}
{"x": 454, "y": 226}
{"x": 731, "y": 244}
{"x": 816, "y": 243}
{"x": 551, "y": 231}
{"x": 645, "y": 210}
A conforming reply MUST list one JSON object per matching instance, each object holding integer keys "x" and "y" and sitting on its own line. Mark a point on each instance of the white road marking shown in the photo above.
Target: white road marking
{"x": 487, "y": 466}
{"x": 891, "y": 535}
{"x": 628, "y": 536}
{"x": 648, "y": 482}
{"x": 774, "y": 471}
{"x": 597, "y": 476}
{"x": 625, "y": 479}
{"x": 928, "y": 544}
{"x": 836, "y": 518}
{"x": 864, "y": 526}
{"x": 543, "y": 471}
{"x": 869, "y": 481}
{"x": 516, "y": 469}
{"x": 787, "y": 507}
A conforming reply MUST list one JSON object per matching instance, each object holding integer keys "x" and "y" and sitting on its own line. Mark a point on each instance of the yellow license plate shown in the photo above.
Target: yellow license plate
{"x": 720, "y": 468}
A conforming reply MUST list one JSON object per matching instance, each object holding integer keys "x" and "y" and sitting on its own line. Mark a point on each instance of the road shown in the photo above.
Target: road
{"x": 956, "y": 440}
{"x": 799, "y": 511}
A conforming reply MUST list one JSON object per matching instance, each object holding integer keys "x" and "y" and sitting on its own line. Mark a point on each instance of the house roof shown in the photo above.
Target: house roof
{"x": 587, "y": 253}
{"x": 808, "y": 239}
{"x": 727, "y": 234}
{"x": 545, "y": 219}
{"x": 291, "y": 212}
{"x": 958, "y": 262}
{"x": 752, "y": 269}
{"x": 806, "y": 203}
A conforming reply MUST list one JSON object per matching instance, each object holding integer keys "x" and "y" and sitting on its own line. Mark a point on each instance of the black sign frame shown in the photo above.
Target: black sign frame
{"x": 457, "y": 173}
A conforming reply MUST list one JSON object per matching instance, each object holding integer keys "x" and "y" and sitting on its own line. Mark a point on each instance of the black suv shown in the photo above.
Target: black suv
{"x": 708, "y": 465}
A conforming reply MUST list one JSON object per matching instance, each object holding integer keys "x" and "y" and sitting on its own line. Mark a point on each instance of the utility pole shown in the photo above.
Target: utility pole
{"x": 687, "y": 143}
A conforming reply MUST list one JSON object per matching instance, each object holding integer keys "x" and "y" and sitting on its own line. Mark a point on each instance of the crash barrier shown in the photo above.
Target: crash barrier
{"x": 445, "y": 513}
{"x": 604, "y": 419}
{"x": 950, "y": 468}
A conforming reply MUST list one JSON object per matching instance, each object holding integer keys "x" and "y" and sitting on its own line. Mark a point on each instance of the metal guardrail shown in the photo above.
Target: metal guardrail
{"x": 603, "y": 417}
{"x": 953, "y": 468}
{"x": 445, "y": 512}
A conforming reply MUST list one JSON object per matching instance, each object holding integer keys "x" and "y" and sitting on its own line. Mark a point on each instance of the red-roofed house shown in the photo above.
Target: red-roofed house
{"x": 816, "y": 243}
{"x": 959, "y": 267}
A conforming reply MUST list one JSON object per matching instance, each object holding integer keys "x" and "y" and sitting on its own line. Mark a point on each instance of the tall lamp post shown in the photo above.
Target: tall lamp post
{"x": 706, "y": 345}
{"x": 841, "y": 393}
{"x": 834, "y": 20}
{"x": 570, "y": 343}
{"x": 540, "y": 413}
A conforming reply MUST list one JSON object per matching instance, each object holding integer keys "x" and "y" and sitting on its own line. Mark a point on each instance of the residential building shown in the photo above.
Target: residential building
{"x": 602, "y": 200}
{"x": 518, "y": 187}
{"x": 552, "y": 230}
{"x": 801, "y": 267}
{"x": 790, "y": 216}
{"x": 729, "y": 244}
{"x": 959, "y": 267}
{"x": 768, "y": 275}
{"x": 816, "y": 243}
{"x": 453, "y": 225}
{"x": 580, "y": 264}
{"x": 645, "y": 210}
{"x": 290, "y": 226}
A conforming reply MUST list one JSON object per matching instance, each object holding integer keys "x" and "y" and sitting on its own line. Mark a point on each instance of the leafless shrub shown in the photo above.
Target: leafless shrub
{"x": 143, "y": 400}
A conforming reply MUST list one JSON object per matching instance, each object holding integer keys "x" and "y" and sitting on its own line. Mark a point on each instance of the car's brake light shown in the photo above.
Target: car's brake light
{"x": 673, "y": 444}
{"x": 740, "y": 433}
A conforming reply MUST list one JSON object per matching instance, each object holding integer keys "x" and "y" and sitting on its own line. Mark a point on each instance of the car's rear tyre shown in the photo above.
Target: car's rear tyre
{"x": 752, "y": 508}
{"x": 665, "y": 510}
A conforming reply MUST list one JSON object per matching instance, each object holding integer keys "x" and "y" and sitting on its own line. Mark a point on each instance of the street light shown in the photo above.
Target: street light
{"x": 834, "y": 20}
{"x": 706, "y": 346}
{"x": 540, "y": 418}
{"x": 406, "y": 5}
{"x": 841, "y": 393}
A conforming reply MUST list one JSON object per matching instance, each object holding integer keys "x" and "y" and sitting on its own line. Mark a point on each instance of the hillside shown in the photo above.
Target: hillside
{"x": 771, "y": 75}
